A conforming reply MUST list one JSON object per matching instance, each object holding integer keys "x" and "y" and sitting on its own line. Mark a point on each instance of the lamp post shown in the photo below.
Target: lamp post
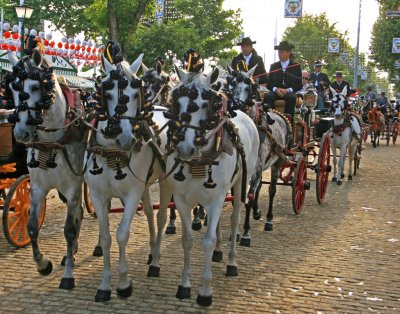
{"x": 355, "y": 84}
{"x": 23, "y": 12}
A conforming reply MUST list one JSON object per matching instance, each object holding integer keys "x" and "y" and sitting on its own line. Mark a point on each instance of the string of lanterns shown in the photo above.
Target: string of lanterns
{"x": 77, "y": 52}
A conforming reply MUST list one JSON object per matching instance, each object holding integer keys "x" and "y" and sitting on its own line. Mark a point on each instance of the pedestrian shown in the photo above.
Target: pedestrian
{"x": 339, "y": 84}
{"x": 247, "y": 59}
{"x": 305, "y": 79}
{"x": 321, "y": 82}
{"x": 284, "y": 79}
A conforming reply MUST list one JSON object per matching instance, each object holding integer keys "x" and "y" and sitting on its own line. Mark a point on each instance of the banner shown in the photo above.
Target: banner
{"x": 397, "y": 64}
{"x": 396, "y": 45}
{"x": 293, "y": 8}
{"x": 392, "y": 13}
{"x": 160, "y": 9}
{"x": 344, "y": 58}
{"x": 364, "y": 76}
{"x": 333, "y": 44}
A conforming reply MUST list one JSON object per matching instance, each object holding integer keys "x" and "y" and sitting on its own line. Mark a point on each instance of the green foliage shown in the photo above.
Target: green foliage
{"x": 384, "y": 30}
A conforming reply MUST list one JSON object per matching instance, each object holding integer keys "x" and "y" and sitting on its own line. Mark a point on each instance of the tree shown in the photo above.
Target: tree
{"x": 383, "y": 32}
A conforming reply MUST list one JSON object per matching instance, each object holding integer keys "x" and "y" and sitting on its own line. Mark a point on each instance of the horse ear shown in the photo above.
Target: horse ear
{"x": 251, "y": 71}
{"x": 37, "y": 57}
{"x": 344, "y": 91}
{"x": 12, "y": 57}
{"x": 107, "y": 66}
{"x": 229, "y": 68}
{"x": 213, "y": 76}
{"x": 158, "y": 67}
{"x": 136, "y": 64}
{"x": 145, "y": 69}
{"x": 181, "y": 74}
{"x": 333, "y": 91}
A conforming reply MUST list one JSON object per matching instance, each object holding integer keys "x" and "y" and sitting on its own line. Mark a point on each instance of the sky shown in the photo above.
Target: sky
{"x": 261, "y": 16}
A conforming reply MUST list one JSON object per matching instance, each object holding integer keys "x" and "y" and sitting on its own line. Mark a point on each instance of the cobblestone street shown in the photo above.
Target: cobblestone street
{"x": 339, "y": 257}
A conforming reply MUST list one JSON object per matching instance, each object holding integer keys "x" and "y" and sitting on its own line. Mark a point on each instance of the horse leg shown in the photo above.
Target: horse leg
{"x": 352, "y": 156}
{"x": 217, "y": 254}
{"x": 256, "y": 210}
{"x": 231, "y": 269}
{"x": 184, "y": 288}
{"x": 148, "y": 210}
{"x": 71, "y": 233}
{"x": 334, "y": 178}
{"x": 204, "y": 296}
{"x": 196, "y": 223}
{"x": 272, "y": 191}
{"x": 342, "y": 158}
{"x": 124, "y": 285}
{"x": 101, "y": 206}
{"x": 171, "y": 229}
{"x": 37, "y": 195}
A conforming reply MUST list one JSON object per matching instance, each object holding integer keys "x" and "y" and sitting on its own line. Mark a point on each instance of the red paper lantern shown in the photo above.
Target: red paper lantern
{"x": 7, "y": 34}
{"x": 66, "y": 46}
{"x": 88, "y": 49}
{"x": 19, "y": 49}
{"x": 15, "y": 36}
{"x": 100, "y": 50}
{"x": 72, "y": 47}
{"x": 4, "y": 46}
{"x": 94, "y": 50}
{"x": 77, "y": 48}
{"x": 59, "y": 45}
{"x": 46, "y": 43}
{"x": 52, "y": 43}
{"x": 12, "y": 48}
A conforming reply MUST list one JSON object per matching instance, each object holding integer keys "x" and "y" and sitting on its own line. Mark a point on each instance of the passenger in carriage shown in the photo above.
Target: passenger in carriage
{"x": 284, "y": 79}
{"x": 370, "y": 96}
{"x": 321, "y": 82}
{"x": 339, "y": 84}
{"x": 305, "y": 79}
{"x": 247, "y": 59}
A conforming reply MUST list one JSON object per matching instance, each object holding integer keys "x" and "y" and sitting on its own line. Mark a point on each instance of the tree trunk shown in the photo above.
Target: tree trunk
{"x": 112, "y": 20}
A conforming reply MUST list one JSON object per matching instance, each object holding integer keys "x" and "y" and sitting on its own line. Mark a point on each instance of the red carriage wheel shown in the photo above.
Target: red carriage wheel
{"x": 88, "y": 202}
{"x": 16, "y": 212}
{"x": 299, "y": 185}
{"x": 323, "y": 168}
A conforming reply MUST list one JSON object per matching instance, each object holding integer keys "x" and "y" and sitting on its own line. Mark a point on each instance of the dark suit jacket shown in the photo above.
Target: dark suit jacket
{"x": 290, "y": 78}
{"x": 320, "y": 77}
{"x": 255, "y": 59}
{"x": 338, "y": 88}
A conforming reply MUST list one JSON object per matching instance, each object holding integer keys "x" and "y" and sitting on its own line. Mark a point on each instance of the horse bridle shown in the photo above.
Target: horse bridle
{"x": 233, "y": 81}
{"x": 158, "y": 83}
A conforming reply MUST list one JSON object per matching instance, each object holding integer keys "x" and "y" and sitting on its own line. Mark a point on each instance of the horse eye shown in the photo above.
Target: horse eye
{"x": 35, "y": 88}
{"x": 246, "y": 89}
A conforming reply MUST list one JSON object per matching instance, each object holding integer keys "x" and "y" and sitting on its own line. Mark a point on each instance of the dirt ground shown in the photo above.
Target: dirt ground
{"x": 338, "y": 257}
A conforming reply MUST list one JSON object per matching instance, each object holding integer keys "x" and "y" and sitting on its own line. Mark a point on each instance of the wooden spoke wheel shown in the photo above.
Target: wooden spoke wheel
{"x": 88, "y": 202}
{"x": 16, "y": 213}
{"x": 323, "y": 167}
{"x": 299, "y": 185}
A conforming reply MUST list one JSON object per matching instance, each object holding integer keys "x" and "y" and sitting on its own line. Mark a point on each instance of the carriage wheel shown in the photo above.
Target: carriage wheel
{"x": 16, "y": 212}
{"x": 323, "y": 168}
{"x": 299, "y": 185}
{"x": 88, "y": 202}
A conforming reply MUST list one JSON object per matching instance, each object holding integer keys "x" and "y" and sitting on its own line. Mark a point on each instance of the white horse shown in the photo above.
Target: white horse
{"x": 345, "y": 133}
{"x": 157, "y": 84}
{"x": 274, "y": 139}
{"x": 54, "y": 158}
{"x": 122, "y": 164}
{"x": 193, "y": 135}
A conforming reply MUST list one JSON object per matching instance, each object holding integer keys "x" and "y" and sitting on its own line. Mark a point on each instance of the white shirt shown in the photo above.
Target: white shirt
{"x": 247, "y": 58}
{"x": 285, "y": 64}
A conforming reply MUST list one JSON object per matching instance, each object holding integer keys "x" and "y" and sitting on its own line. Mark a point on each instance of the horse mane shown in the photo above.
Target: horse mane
{"x": 284, "y": 118}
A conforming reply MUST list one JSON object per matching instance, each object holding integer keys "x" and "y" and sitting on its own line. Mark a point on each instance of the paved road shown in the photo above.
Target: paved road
{"x": 339, "y": 257}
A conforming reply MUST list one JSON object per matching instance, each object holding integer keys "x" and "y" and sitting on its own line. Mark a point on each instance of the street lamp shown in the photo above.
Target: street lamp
{"x": 23, "y": 12}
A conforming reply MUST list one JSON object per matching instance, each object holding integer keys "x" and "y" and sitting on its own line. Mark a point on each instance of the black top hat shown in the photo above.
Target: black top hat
{"x": 338, "y": 74}
{"x": 246, "y": 41}
{"x": 284, "y": 45}
{"x": 317, "y": 64}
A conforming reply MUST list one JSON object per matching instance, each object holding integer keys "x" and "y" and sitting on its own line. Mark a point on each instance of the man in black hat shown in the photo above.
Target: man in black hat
{"x": 370, "y": 96}
{"x": 339, "y": 84}
{"x": 284, "y": 79}
{"x": 321, "y": 82}
{"x": 248, "y": 58}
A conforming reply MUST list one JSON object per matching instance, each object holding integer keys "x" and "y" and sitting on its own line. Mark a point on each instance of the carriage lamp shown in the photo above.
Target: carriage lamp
{"x": 310, "y": 97}
{"x": 23, "y": 12}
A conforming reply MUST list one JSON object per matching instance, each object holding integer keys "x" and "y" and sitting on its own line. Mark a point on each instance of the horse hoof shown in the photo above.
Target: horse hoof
{"x": 268, "y": 226}
{"x": 170, "y": 230}
{"x": 257, "y": 215}
{"x": 350, "y": 178}
{"x": 204, "y": 301}
{"x": 202, "y": 212}
{"x": 67, "y": 283}
{"x": 98, "y": 251}
{"x": 217, "y": 256}
{"x": 342, "y": 176}
{"x": 245, "y": 241}
{"x": 339, "y": 182}
{"x": 231, "y": 271}
{"x": 149, "y": 259}
{"x": 196, "y": 226}
{"x": 47, "y": 270}
{"x": 334, "y": 179}
{"x": 183, "y": 292}
{"x": 154, "y": 271}
{"x": 102, "y": 295}
{"x": 125, "y": 293}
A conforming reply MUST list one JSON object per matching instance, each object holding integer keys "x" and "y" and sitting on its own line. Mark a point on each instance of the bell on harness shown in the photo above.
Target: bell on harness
{"x": 209, "y": 184}
{"x": 51, "y": 162}
{"x": 120, "y": 175}
{"x": 33, "y": 163}
{"x": 179, "y": 176}
{"x": 96, "y": 169}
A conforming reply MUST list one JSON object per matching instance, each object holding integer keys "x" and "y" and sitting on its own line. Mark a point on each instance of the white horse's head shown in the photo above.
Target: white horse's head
{"x": 193, "y": 111}
{"x": 241, "y": 88}
{"x": 155, "y": 80}
{"x": 122, "y": 100}
{"x": 34, "y": 89}
{"x": 338, "y": 102}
